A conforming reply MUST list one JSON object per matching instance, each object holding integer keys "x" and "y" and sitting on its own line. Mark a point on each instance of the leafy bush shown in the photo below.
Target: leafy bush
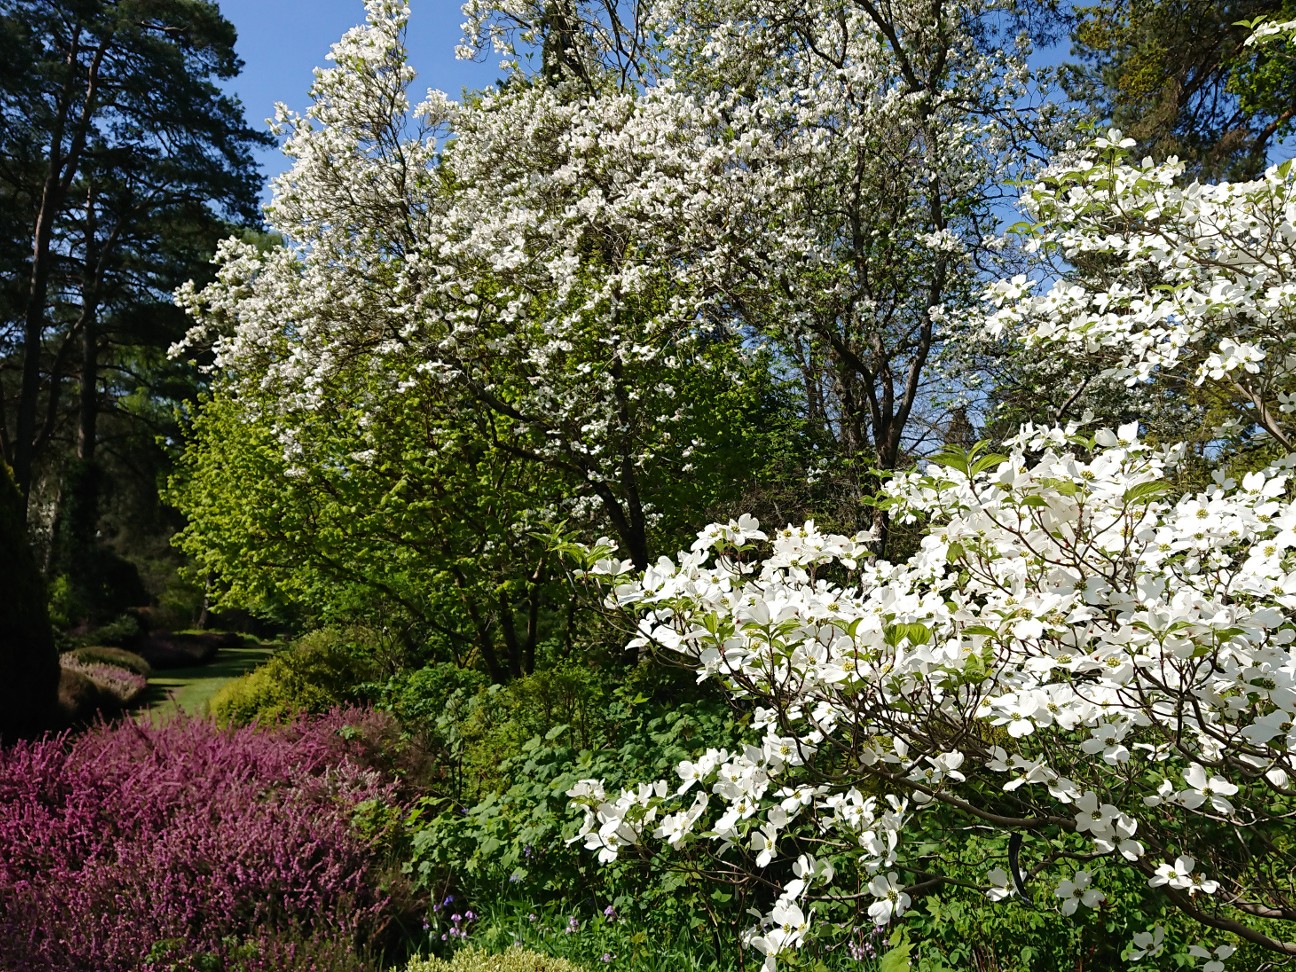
{"x": 107, "y": 655}
{"x": 475, "y": 960}
{"x": 141, "y": 848}
{"x": 122, "y": 630}
{"x": 431, "y": 704}
{"x": 319, "y": 671}
{"x": 505, "y": 855}
{"x": 567, "y": 700}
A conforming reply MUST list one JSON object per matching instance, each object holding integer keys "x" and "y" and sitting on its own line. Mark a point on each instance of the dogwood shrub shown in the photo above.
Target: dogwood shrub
{"x": 1075, "y": 655}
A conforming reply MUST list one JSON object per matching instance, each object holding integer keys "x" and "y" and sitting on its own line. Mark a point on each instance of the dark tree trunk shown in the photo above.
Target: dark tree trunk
{"x": 29, "y": 665}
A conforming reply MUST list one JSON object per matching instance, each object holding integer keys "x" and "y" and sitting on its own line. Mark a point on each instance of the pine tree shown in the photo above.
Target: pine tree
{"x": 113, "y": 126}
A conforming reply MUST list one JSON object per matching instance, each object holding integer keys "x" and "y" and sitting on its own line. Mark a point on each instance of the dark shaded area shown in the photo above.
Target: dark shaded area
{"x": 29, "y": 668}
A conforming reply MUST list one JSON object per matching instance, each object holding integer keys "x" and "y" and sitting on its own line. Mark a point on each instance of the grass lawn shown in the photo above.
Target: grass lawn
{"x": 173, "y": 690}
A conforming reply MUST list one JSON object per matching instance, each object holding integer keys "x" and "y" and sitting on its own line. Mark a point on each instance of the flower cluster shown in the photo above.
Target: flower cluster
{"x": 1203, "y": 278}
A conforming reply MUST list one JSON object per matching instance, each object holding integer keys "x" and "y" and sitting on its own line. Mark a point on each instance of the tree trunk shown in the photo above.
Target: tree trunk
{"x": 29, "y": 665}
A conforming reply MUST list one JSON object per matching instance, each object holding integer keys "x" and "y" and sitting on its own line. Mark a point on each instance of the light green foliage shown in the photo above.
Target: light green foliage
{"x": 319, "y": 671}
{"x": 475, "y": 960}
{"x": 244, "y": 514}
{"x": 425, "y": 527}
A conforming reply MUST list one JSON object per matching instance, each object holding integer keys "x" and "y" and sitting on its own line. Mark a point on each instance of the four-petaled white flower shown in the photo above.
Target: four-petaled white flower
{"x": 1202, "y": 788}
{"x": 1215, "y": 959}
{"x": 1180, "y": 876}
{"x": 1077, "y": 891}
{"x": 892, "y": 900}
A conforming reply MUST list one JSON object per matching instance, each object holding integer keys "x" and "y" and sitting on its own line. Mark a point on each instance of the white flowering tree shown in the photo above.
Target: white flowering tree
{"x": 1075, "y": 656}
{"x": 578, "y": 268}
{"x": 496, "y": 283}
{"x": 822, "y": 178}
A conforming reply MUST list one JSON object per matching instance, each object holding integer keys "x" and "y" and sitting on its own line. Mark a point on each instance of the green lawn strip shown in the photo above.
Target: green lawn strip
{"x": 190, "y": 690}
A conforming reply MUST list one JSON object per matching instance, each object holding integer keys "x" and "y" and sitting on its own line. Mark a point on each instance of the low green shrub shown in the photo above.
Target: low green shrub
{"x": 107, "y": 655}
{"x": 122, "y": 630}
{"x": 568, "y": 701}
{"x": 475, "y": 960}
{"x": 476, "y": 728}
{"x": 318, "y": 672}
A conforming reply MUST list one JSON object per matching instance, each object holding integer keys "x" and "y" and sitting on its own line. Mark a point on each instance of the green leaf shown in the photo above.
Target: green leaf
{"x": 1145, "y": 491}
{"x": 914, "y": 633}
{"x": 952, "y": 457}
{"x": 897, "y": 958}
{"x": 987, "y": 462}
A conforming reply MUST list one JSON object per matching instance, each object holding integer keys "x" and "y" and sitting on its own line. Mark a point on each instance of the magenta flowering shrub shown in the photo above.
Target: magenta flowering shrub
{"x": 124, "y": 685}
{"x": 184, "y": 846}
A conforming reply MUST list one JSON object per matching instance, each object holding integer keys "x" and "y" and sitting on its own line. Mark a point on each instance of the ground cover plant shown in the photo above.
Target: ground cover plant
{"x": 183, "y": 846}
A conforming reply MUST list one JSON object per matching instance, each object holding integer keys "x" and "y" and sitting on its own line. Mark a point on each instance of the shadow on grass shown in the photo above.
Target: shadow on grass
{"x": 190, "y": 690}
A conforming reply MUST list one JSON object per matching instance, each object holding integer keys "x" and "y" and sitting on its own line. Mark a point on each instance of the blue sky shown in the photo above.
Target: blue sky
{"x": 282, "y": 41}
